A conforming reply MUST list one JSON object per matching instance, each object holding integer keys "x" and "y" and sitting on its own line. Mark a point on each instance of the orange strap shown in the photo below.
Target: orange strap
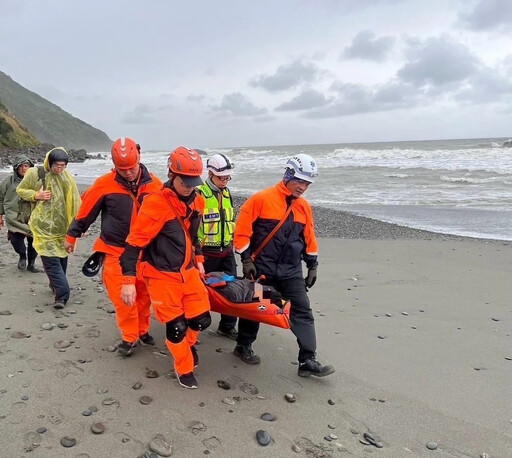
{"x": 257, "y": 251}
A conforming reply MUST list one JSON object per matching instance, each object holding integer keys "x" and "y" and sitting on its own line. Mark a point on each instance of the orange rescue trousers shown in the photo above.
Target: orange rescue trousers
{"x": 181, "y": 294}
{"x": 131, "y": 321}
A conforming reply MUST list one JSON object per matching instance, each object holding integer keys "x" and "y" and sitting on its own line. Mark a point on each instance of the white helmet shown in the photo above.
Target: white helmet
{"x": 301, "y": 166}
{"x": 220, "y": 165}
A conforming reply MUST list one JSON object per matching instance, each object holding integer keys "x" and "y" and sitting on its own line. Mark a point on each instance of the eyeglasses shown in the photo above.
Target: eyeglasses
{"x": 224, "y": 178}
{"x": 59, "y": 166}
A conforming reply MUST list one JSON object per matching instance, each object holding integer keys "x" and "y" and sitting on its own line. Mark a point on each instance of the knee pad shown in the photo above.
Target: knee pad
{"x": 200, "y": 322}
{"x": 176, "y": 329}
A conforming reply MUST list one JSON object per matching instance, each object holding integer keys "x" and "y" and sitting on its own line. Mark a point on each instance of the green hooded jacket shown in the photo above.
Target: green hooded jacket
{"x": 9, "y": 198}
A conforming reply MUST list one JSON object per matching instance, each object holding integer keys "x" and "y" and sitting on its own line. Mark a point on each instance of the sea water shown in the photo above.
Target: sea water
{"x": 461, "y": 187}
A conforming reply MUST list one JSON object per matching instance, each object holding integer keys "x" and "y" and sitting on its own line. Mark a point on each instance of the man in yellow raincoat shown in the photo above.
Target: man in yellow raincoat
{"x": 57, "y": 202}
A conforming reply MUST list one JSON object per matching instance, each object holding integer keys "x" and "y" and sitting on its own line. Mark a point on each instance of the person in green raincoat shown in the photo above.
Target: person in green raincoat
{"x": 17, "y": 231}
{"x": 56, "y": 205}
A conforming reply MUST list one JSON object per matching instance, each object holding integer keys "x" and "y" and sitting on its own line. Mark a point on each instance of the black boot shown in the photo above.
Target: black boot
{"x": 246, "y": 354}
{"x": 313, "y": 367}
{"x": 31, "y": 266}
{"x": 22, "y": 264}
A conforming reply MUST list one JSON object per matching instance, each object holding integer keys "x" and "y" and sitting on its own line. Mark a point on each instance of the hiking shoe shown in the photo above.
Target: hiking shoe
{"x": 231, "y": 334}
{"x": 32, "y": 268}
{"x": 195, "y": 355}
{"x": 22, "y": 264}
{"x": 146, "y": 339}
{"x": 187, "y": 380}
{"x": 313, "y": 367}
{"x": 126, "y": 348}
{"x": 58, "y": 305}
{"x": 246, "y": 354}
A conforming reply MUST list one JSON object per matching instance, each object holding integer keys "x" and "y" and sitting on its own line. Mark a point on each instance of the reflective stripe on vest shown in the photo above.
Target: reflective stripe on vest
{"x": 211, "y": 232}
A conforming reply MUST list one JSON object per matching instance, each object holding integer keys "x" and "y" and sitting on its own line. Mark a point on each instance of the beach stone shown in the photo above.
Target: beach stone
{"x": 327, "y": 438}
{"x": 389, "y": 315}
{"x": 68, "y": 442}
{"x": 484, "y": 455}
{"x": 97, "y": 428}
{"x": 24, "y": 398}
{"x": 41, "y": 430}
{"x": 431, "y": 445}
{"x": 296, "y": 448}
{"x": 62, "y": 326}
{"x": 150, "y": 373}
{"x": 229, "y": 401}
{"x": 223, "y": 384}
{"x": 218, "y": 350}
{"x": 61, "y": 344}
{"x": 86, "y": 413}
{"x": 331, "y": 426}
{"x": 331, "y": 402}
{"x": 290, "y": 397}
{"x": 111, "y": 349}
{"x": 145, "y": 400}
{"x": 381, "y": 337}
{"x": 109, "y": 401}
{"x": 508, "y": 358}
{"x": 202, "y": 404}
{"x": 268, "y": 417}
{"x": 263, "y": 437}
{"x": 354, "y": 431}
{"x": 160, "y": 446}
{"x": 405, "y": 314}
{"x": 47, "y": 326}
{"x": 333, "y": 436}
{"x": 19, "y": 335}
{"x": 137, "y": 386}
{"x": 5, "y": 312}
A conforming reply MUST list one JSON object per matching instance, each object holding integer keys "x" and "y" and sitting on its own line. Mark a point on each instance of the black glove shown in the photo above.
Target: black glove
{"x": 311, "y": 277}
{"x": 249, "y": 269}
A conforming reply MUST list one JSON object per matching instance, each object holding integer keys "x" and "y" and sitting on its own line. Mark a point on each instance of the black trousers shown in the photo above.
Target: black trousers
{"x": 301, "y": 316}
{"x": 55, "y": 269}
{"x": 222, "y": 264}
{"x": 18, "y": 243}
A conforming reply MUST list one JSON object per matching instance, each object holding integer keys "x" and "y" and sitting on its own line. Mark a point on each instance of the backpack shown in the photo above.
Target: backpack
{"x": 25, "y": 207}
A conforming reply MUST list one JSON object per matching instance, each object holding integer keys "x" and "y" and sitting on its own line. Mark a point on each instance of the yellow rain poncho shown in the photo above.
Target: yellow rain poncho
{"x": 50, "y": 219}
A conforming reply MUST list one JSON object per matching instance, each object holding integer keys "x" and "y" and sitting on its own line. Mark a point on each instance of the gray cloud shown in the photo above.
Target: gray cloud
{"x": 366, "y": 46}
{"x": 237, "y": 104}
{"x": 437, "y": 62}
{"x": 356, "y": 98}
{"x": 287, "y": 76}
{"x": 141, "y": 114}
{"x": 487, "y": 86}
{"x": 304, "y": 101}
{"x": 195, "y": 98}
{"x": 488, "y": 14}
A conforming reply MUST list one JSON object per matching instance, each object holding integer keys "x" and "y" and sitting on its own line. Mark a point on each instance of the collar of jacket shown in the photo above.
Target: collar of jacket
{"x": 208, "y": 190}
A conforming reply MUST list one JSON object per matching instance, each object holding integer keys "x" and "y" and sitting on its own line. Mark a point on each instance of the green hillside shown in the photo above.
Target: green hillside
{"x": 48, "y": 122}
{"x": 12, "y": 133}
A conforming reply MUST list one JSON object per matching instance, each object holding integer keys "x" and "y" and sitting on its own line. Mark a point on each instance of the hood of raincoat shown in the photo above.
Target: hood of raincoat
{"x": 21, "y": 159}
{"x": 55, "y": 155}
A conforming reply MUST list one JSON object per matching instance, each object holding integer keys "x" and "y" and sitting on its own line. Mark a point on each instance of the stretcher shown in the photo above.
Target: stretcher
{"x": 260, "y": 308}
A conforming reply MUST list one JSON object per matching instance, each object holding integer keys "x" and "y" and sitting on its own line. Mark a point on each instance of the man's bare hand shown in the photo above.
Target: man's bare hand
{"x": 128, "y": 294}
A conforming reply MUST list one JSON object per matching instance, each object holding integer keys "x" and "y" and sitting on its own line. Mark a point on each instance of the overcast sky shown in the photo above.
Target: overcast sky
{"x": 216, "y": 73}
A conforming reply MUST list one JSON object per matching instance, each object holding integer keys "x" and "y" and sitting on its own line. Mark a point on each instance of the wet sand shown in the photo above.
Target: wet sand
{"x": 418, "y": 329}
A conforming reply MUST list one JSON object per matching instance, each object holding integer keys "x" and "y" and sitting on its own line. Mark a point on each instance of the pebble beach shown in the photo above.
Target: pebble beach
{"x": 416, "y": 323}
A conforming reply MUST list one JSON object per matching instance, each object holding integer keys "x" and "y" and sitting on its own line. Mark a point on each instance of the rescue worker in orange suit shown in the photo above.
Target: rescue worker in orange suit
{"x": 172, "y": 263}
{"x": 280, "y": 259}
{"x": 117, "y": 196}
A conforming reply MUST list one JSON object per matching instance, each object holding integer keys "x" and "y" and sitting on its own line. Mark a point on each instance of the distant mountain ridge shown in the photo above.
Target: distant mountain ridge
{"x": 47, "y": 121}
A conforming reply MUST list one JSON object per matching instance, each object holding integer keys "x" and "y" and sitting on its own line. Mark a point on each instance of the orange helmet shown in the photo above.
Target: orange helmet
{"x": 186, "y": 163}
{"x": 125, "y": 153}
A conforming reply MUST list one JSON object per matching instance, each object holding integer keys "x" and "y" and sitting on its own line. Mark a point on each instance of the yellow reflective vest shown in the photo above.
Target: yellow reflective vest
{"x": 218, "y": 221}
